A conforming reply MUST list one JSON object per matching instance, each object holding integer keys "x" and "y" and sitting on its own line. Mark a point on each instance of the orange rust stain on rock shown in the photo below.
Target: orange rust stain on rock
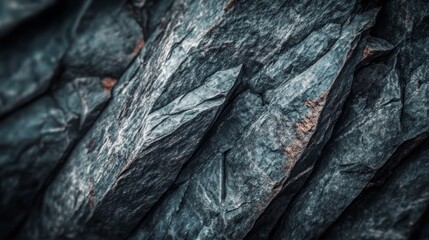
{"x": 293, "y": 151}
{"x": 139, "y": 46}
{"x": 367, "y": 52}
{"x": 317, "y": 103}
{"x": 306, "y": 125}
{"x": 229, "y": 5}
{"x": 108, "y": 83}
{"x": 304, "y": 128}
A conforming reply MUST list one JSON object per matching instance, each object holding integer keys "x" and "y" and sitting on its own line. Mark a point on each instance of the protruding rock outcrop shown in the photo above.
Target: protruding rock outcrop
{"x": 256, "y": 119}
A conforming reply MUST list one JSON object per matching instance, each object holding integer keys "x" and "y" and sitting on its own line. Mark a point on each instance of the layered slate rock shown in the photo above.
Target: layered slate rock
{"x": 256, "y": 119}
{"x": 37, "y": 137}
{"x": 393, "y": 210}
{"x": 343, "y": 171}
{"x": 236, "y": 180}
{"x": 30, "y": 58}
{"x": 382, "y": 119}
{"x": 156, "y": 147}
{"x": 170, "y": 134}
{"x": 107, "y": 38}
{"x": 89, "y": 39}
{"x": 32, "y": 148}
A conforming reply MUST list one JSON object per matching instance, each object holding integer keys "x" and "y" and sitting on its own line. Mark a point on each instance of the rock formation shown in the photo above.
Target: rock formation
{"x": 256, "y": 119}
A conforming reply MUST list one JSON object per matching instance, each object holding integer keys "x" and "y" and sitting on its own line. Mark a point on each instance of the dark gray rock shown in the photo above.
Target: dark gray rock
{"x": 187, "y": 119}
{"x": 170, "y": 134}
{"x": 106, "y": 39}
{"x": 376, "y": 48}
{"x": 14, "y": 12}
{"x": 382, "y": 114}
{"x": 36, "y": 139}
{"x": 30, "y": 58}
{"x": 152, "y": 14}
{"x": 264, "y": 225}
{"x": 236, "y": 179}
{"x": 343, "y": 171}
{"x": 90, "y": 39}
{"x": 422, "y": 228}
{"x": 202, "y": 184}
{"x": 393, "y": 210}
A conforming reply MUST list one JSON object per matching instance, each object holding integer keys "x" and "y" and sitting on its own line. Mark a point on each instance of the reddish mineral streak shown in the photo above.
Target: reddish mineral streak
{"x": 91, "y": 194}
{"x": 303, "y": 129}
{"x": 108, "y": 83}
{"x": 139, "y": 46}
{"x": 229, "y": 5}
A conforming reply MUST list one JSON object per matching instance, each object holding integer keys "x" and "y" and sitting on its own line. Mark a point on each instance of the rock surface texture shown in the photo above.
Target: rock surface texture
{"x": 239, "y": 119}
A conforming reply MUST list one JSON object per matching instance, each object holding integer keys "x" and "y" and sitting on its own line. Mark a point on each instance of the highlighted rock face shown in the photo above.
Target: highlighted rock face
{"x": 209, "y": 119}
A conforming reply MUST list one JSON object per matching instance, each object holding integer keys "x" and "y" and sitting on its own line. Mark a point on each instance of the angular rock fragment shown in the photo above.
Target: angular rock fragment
{"x": 89, "y": 39}
{"x": 159, "y": 146}
{"x": 106, "y": 39}
{"x": 353, "y": 155}
{"x": 375, "y": 48}
{"x": 235, "y": 181}
{"x": 181, "y": 211}
{"x": 36, "y": 139}
{"x": 393, "y": 210}
{"x": 31, "y": 58}
{"x": 381, "y": 117}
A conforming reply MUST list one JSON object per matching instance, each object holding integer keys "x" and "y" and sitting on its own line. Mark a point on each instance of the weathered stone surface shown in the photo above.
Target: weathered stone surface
{"x": 344, "y": 171}
{"x": 187, "y": 119}
{"x": 393, "y": 210}
{"x": 182, "y": 211}
{"x": 106, "y": 39}
{"x": 382, "y": 114}
{"x": 90, "y": 39}
{"x": 237, "y": 180}
{"x": 376, "y": 48}
{"x": 30, "y": 58}
{"x": 36, "y": 139}
{"x": 169, "y": 134}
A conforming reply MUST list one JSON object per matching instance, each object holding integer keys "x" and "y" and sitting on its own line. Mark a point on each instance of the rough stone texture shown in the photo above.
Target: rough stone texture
{"x": 95, "y": 39}
{"x": 256, "y": 119}
{"x": 260, "y": 158}
{"x": 382, "y": 114}
{"x": 31, "y": 57}
{"x": 33, "y": 147}
{"x": 406, "y": 191}
{"x": 38, "y": 136}
{"x": 345, "y": 168}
